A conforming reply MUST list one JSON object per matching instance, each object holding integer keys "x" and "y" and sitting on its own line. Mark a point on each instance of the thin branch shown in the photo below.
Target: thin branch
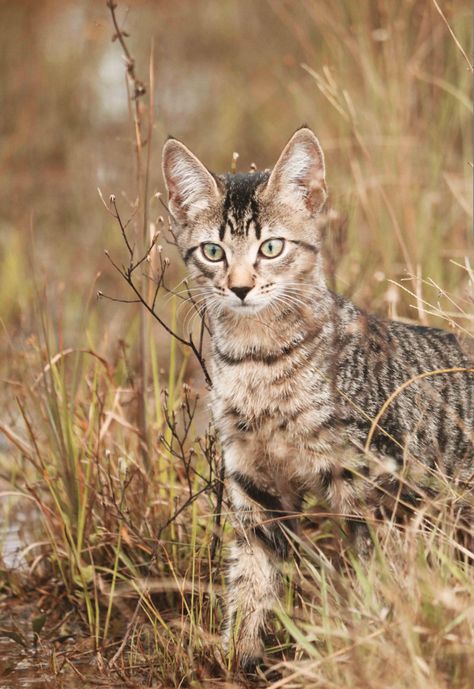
{"x": 101, "y": 295}
{"x": 127, "y": 274}
{"x": 120, "y": 35}
{"x": 147, "y": 295}
{"x": 122, "y": 226}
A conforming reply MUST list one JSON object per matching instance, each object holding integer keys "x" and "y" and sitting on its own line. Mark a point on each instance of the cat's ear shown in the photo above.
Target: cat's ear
{"x": 299, "y": 175}
{"x": 191, "y": 187}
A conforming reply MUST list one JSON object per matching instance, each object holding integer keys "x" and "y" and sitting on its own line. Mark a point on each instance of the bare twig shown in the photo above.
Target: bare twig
{"x": 146, "y": 289}
{"x": 128, "y": 275}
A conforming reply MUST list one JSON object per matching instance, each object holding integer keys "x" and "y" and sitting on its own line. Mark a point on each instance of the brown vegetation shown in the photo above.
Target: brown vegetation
{"x": 108, "y": 464}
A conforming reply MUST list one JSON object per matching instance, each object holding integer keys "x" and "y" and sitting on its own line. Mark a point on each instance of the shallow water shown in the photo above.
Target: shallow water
{"x": 22, "y": 664}
{"x": 18, "y": 670}
{"x": 27, "y": 667}
{"x": 10, "y": 547}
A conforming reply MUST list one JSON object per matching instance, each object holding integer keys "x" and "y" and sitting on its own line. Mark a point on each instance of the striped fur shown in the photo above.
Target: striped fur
{"x": 300, "y": 374}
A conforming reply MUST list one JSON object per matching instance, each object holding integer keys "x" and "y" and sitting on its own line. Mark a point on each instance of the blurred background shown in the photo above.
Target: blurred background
{"x": 383, "y": 84}
{"x": 386, "y": 86}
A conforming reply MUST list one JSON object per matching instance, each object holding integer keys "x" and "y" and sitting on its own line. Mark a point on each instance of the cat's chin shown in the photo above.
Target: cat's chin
{"x": 244, "y": 310}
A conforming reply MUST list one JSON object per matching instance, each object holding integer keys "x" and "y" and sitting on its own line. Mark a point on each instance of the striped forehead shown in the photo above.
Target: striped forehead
{"x": 241, "y": 209}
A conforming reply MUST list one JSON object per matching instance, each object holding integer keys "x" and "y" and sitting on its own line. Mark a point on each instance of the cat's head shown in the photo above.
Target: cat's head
{"x": 250, "y": 240}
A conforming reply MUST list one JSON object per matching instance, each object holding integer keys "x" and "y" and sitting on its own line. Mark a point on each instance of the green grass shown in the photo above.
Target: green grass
{"x": 117, "y": 510}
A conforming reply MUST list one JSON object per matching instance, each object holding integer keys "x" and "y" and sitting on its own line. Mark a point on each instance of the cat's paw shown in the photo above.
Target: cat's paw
{"x": 255, "y": 668}
{"x": 250, "y": 665}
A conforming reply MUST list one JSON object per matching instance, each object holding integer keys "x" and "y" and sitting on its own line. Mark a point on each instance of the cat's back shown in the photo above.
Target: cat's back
{"x": 421, "y": 377}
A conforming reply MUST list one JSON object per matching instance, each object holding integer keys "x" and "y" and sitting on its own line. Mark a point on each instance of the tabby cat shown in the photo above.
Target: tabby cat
{"x": 300, "y": 373}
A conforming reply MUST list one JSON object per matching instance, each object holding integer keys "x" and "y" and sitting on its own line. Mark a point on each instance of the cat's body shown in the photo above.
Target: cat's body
{"x": 304, "y": 393}
{"x": 300, "y": 374}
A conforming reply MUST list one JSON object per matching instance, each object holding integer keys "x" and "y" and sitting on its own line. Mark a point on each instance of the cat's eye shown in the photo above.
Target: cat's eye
{"x": 272, "y": 248}
{"x": 213, "y": 252}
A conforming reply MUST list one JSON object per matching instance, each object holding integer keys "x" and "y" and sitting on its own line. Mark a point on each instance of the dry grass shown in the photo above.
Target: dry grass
{"x": 118, "y": 527}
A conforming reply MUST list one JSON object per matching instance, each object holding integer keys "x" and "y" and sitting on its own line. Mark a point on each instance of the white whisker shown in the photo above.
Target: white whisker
{"x": 295, "y": 299}
{"x": 197, "y": 308}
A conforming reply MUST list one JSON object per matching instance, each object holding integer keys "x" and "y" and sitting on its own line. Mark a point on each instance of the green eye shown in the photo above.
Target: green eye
{"x": 272, "y": 248}
{"x": 213, "y": 252}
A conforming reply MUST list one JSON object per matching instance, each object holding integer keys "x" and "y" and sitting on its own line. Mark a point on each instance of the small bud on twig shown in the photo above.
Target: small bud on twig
{"x": 235, "y": 157}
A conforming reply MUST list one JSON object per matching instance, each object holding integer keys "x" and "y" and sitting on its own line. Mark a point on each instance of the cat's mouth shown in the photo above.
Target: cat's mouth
{"x": 244, "y": 308}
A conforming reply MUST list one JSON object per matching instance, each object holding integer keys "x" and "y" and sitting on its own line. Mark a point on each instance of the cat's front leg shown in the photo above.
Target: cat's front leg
{"x": 254, "y": 581}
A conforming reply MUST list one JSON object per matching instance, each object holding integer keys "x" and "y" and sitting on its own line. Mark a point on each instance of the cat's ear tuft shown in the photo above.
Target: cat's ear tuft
{"x": 191, "y": 187}
{"x": 299, "y": 175}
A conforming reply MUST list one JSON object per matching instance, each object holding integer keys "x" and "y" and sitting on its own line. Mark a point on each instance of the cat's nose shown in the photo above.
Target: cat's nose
{"x": 241, "y": 292}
